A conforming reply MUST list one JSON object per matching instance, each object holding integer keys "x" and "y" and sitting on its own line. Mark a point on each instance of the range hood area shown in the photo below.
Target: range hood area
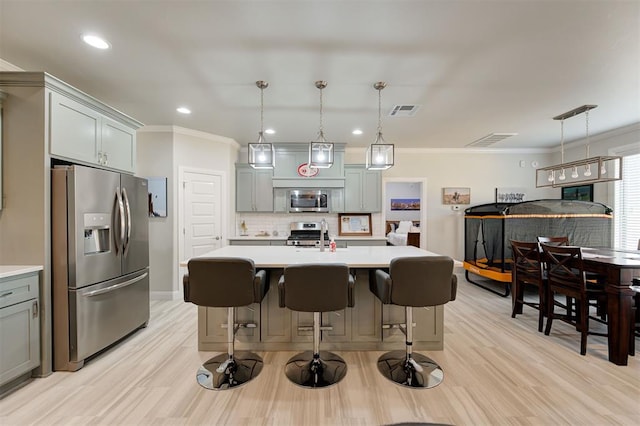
{"x": 291, "y": 169}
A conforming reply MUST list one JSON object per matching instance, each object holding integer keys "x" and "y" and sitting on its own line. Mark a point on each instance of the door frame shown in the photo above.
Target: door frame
{"x": 423, "y": 206}
{"x": 224, "y": 197}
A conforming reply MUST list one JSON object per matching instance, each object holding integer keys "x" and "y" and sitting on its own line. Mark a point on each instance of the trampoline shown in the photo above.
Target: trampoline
{"x": 489, "y": 228}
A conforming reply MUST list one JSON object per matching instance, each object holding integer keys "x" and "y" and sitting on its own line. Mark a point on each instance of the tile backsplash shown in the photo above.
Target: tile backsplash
{"x": 279, "y": 223}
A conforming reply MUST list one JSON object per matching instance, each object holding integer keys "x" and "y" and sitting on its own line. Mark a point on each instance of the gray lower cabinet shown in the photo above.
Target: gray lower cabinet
{"x": 359, "y": 327}
{"x": 362, "y": 189}
{"x": 254, "y": 189}
{"x": 19, "y": 326}
{"x": 214, "y": 327}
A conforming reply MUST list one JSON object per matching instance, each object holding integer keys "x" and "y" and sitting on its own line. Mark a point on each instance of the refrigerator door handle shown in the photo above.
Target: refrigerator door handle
{"x": 120, "y": 243}
{"x": 116, "y": 286}
{"x": 128, "y": 207}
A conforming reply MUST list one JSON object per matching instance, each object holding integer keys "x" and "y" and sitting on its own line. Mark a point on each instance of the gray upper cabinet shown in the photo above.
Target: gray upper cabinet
{"x": 82, "y": 134}
{"x": 362, "y": 189}
{"x": 254, "y": 189}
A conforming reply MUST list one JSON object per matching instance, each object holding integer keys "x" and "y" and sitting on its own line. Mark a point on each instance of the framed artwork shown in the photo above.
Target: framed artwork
{"x": 456, "y": 195}
{"x": 405, "y": 204}
{"x": 510, "y": 195}
{"x": 579, "y": 192}
{"x": 354, "y": 224}
{"x": 157, "y": 187}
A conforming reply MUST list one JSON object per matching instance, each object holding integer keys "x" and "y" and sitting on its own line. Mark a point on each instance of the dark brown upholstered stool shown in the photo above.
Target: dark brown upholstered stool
{"x": 316, "y": 288}
{"x": 414, "y": 281}
{"x": 226, "y": 283}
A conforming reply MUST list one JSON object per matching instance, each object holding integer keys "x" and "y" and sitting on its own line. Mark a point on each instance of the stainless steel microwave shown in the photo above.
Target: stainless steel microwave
{"x": 308, "y": 200}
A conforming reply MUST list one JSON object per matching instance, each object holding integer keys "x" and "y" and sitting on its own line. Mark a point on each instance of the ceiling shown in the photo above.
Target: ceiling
{"x": 474, "y": 67}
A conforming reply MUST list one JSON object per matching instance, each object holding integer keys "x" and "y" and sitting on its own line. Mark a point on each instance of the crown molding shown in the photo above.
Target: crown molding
{"x": 189, "y": 132}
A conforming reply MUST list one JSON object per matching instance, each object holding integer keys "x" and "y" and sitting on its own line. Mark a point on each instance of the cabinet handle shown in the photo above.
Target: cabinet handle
{"x": 106, "y": 158}
{"x": 99, "y": 157}
{"x": 9, "y": 293}
{"x": 34, "y": 309}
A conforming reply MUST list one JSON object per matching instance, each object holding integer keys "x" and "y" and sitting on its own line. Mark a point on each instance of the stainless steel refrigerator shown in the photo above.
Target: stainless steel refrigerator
{"x": 100, "y": 246}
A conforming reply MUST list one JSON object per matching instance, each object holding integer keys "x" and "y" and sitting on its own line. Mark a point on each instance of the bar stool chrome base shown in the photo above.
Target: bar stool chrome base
{"x": 220, "y": 373}
{"x": 303, "y": 370}
{"x": 418, "y": 371}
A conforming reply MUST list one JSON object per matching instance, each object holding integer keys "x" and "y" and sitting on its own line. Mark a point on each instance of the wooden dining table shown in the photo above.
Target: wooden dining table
{"x": 618, "y": 268}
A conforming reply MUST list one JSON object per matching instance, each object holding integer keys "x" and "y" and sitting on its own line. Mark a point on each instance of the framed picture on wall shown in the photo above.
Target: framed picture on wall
{"x": 157, "y": 196}
{"x": 456, "y": 195}
{"x": 510, "y": 195}
{"x": 578, "y": 192}
{"x": 405, "y": 204}
{"x": 356, "y": 224}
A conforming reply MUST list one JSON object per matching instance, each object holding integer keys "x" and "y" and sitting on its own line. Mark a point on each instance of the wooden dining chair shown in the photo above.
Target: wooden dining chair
{"x": 557, "y": 241}
{"x": 566, "y": 275}
{"x": 528, "y": 269}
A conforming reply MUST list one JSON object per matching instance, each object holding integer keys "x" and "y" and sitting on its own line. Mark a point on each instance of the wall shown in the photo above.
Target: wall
{"x": 481, "y": 170}
{"x": 402, "y": 190}
{"x": 155, "y": 158}
{"x": 162, "y": 151}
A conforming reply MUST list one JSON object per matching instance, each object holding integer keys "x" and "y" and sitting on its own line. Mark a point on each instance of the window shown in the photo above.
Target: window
{"x": 627, "y": 204}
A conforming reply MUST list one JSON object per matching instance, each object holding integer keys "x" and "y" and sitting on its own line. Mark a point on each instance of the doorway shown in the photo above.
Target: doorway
{"x": 405, "y": 192}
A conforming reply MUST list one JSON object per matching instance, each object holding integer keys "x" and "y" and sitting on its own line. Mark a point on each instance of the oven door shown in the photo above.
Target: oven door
{"x": 308, "y": 201}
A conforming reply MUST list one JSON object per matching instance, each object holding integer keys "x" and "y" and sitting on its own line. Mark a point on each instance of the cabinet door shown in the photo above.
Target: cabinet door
{"x": 263, "y": 191}
{"x": 244, "y": 190}
{"x": 371, "y": 188}
{"x": 19, "y": 339}
{"x": 280, "y": 200}
{"x": 337, "y": 200}
{"x": 366, "y": 324}
{"x": 118, "y": 148}
{"x": 215, "y": 329}
{"x": 353, "y": 190}
{"x": 75, "y": 130}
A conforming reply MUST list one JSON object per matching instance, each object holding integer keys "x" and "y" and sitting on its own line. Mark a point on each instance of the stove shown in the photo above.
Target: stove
{"x": 306, "y": 234}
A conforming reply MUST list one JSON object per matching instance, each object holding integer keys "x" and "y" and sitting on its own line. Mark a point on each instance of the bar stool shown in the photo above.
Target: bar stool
{"x": 316, "y": 288}
{"x": 226, "y": 283}
{"x": 414, "y": 282}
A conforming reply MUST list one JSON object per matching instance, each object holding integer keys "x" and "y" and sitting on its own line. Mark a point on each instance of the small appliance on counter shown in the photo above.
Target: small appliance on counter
{"x": 307, "y": 234}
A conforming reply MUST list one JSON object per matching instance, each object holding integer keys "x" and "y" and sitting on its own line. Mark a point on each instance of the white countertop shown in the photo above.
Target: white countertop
{"x": 12, "y": 270}
{"x": 354, "y": 257}
{"x": 281, "y": 238}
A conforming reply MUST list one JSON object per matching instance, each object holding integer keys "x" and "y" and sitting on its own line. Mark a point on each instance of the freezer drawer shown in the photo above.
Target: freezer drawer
{"x": 102, "y": 314}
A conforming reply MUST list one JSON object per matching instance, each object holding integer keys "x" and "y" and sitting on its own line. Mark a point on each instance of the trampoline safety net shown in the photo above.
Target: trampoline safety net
{"x": 489, "y": 228}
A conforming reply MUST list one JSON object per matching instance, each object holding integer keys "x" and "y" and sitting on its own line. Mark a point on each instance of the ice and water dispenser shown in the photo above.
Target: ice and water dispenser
{"x": 97, "y": 232}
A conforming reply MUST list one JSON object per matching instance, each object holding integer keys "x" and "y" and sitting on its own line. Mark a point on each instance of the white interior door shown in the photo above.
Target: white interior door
{"x": 202, "y": 224}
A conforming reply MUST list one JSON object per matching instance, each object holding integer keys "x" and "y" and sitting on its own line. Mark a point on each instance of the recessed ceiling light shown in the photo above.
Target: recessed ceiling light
{"x": 95, "y": 41}
{"x": 270, "y": 131}
{"x": 357, "y": 132}
{"x": 183, "y": 110}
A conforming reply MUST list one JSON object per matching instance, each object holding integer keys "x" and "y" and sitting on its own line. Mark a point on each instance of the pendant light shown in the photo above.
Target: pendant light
{"x": 320, "y": 151}
{"x": 379, "y": 153}
{"x": 589, "y": 170}
{"x": 261, "y": 154}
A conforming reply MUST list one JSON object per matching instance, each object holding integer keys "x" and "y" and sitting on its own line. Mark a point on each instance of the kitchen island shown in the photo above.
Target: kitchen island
{"x": 357, "y": 328}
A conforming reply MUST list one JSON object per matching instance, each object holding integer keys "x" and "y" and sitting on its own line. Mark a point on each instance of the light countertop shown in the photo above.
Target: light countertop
{"x": 7, "y": 271}
{"x": 281, "y": 256}
{"x": 284, "y": 238}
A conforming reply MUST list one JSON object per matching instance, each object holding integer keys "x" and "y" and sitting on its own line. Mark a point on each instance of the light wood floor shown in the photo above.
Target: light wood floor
{"x": 498, "y": 370}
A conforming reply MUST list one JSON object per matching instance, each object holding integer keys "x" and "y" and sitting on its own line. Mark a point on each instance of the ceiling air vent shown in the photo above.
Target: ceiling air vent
{"x": 490, "y": 139}
{"x": 404, "y": 110}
